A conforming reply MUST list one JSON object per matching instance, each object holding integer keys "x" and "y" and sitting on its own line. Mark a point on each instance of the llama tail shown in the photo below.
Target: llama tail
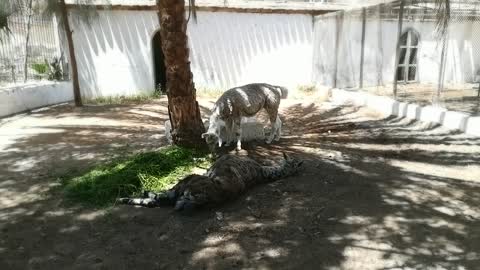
{"x": 284, "y": 91}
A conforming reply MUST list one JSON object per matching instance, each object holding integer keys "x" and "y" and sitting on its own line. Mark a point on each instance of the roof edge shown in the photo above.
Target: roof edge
{"x": 280, "y": 9}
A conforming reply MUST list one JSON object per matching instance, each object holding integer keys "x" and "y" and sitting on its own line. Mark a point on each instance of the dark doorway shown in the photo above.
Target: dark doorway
{"x": 159, "y": 64}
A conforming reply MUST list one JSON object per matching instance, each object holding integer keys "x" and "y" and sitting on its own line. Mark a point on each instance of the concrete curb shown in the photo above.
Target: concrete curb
{"x": 21, "y": 98}
{"x": 390, "y": 107}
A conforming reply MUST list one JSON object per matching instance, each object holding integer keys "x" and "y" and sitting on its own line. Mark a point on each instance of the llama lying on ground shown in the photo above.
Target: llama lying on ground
{"x": 229, "y": 177}
{"x": 245, "y": 101}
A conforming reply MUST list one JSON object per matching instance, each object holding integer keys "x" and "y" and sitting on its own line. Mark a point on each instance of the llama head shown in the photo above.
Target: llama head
{"x": 291, "y": 165}
{"x": 212, "y": 136}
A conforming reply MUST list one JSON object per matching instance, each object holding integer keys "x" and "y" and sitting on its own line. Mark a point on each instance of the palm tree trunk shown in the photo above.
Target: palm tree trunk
{"x": 73, "y": 61}
{"x": 187, "y": 125}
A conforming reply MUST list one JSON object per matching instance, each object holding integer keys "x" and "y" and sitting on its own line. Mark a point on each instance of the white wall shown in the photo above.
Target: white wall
{"x": 21, "y": 98}
{"x": 114, "y": 53}
{"x": 229, "y": 49}
{"x": 463, "y": 51}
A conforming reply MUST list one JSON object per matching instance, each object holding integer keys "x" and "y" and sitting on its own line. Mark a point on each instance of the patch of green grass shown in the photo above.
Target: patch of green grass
{"x": 115, "y": 100}
{"x": 153, "y": 171}
{"x": 209, "y": 92}
{"x": 307, "y": 89}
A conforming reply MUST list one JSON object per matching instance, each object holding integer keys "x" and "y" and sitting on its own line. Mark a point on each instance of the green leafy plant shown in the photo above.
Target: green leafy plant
{"x": 55, "y": 72}
{"x": 40, "y": 68}
{"x": 307, "y": 89}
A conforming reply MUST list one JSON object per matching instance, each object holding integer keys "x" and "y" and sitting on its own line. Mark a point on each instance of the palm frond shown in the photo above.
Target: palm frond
{"x": 50, "y": 8}
{"x": 442, "y": 8}
{"x": 192, "y": 10}
{"x": 85, "y": 10}
{"x": 6, "y": 10}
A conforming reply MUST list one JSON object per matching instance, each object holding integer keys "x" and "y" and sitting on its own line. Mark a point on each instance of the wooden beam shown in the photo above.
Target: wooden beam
{"x": 211, "y": 9}
{"x": 340, "y": 16}
{"x": 397, "y": 55}
{"x": 362, "y": 52}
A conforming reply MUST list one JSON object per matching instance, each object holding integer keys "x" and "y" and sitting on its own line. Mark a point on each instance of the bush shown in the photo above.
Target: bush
{"x": 40, "y": 68}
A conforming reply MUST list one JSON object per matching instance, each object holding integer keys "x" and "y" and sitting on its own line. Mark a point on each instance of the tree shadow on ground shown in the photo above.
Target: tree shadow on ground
{"x": 374, "y": 194}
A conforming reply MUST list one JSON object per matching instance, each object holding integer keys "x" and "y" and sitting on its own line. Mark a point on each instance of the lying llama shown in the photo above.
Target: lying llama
{"x": 245, "y": 101}
{"x": 228, "y": 178}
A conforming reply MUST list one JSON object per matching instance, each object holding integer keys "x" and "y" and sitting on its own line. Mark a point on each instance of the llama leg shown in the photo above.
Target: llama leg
{"x": 238, "y": 134}
{"x": 274, "y": 126}
{"x": 228, "y": 132}
{"x": 278, "y": 132}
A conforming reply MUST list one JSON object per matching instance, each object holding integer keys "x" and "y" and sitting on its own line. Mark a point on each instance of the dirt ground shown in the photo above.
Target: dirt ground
{"x": 460, "y": 98}
{"x": 375, "y": 193}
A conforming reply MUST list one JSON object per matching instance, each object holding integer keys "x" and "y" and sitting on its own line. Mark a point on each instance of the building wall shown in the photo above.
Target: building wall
{"x": 462, "y": 62}
{"x": 114, "y": 51}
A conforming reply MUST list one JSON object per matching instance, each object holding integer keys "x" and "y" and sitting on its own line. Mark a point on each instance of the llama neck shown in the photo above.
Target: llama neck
{"x": 213, "y": 121}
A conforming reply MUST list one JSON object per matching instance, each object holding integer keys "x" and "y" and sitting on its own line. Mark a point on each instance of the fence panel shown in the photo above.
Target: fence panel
{"x": 42, "y": 50}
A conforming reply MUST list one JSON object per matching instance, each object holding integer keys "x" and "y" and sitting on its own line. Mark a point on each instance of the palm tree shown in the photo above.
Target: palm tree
{"x": 187, "y": 125}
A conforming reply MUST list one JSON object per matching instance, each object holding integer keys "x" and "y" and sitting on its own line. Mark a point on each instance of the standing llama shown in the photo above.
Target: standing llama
{"x": 244, "y": 101}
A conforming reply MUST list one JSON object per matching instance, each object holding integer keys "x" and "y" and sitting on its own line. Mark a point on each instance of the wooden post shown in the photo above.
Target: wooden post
{"x": 362, "y": 53}
{"x": 77, "y": 95}
{"x": 397, "y": 55}
{"x": 27, "y": 40}
{"x": 339, "y": 19}
{"x": 441, "y": 73}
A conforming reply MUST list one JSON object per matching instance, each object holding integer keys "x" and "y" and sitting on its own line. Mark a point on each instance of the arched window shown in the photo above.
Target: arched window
{"x": 407, "y": 66}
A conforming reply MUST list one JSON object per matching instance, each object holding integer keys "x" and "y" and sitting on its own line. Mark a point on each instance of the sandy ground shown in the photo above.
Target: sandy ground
{"x": 461, "y": 98}
{"x": 375, "y": 194}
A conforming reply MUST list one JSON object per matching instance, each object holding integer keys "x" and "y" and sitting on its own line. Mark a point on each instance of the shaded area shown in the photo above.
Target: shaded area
{"x": 375, "y": 194}
{"x": 159, "y": 64}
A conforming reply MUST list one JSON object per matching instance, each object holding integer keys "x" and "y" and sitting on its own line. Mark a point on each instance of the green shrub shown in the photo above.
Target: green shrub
{"x": 40, "y": 68}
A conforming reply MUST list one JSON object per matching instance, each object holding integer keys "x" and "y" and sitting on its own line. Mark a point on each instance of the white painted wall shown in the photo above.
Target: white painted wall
{"x": 463, "y": 52}
{"x": 114, "y": 53}
{"x": 229, "y": 49}
{"x": 21, "y": 98}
